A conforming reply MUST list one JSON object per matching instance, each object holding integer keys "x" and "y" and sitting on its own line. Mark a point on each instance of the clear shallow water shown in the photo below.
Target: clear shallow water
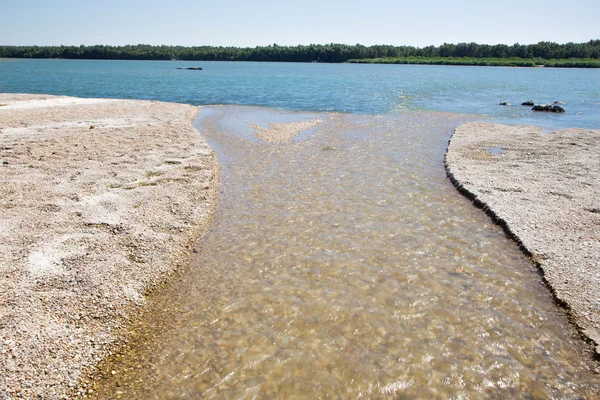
{"x": 345, "y": 265}
{"x": 350, "y": 88}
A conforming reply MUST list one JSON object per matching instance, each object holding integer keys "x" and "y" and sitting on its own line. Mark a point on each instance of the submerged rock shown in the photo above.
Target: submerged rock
{"x": 527, "y": 103}
{"x": 542, "y": 107}
{"x": 548, "y": 107}
{"x": 505, "y": 103}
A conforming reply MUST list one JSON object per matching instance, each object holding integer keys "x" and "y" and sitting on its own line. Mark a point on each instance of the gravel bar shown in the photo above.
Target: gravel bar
{"x": 544, "y": 190}
{"x": 100, "y": 200}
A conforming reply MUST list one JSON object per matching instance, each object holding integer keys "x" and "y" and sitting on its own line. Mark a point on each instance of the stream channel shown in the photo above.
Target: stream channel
{"x": 345, "y": 265}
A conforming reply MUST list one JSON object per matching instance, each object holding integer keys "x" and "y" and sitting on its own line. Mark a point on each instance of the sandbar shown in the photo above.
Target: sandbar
{"x": 100, "y": 200}
{"x": 544, "y": 190}
{"x": 282, "y": 132}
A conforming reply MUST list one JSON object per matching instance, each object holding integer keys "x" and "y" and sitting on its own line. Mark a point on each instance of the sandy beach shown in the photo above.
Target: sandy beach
{"x": 544, "y": 190}
{"x": 101, "y": 200}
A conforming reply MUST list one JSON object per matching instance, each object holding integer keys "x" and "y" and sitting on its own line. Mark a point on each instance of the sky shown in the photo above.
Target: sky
{"x": 251, "y": 23}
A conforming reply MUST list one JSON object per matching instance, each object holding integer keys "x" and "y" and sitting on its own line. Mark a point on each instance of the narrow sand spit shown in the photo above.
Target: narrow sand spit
{"x": 282, "y": 133}
{"x": 544, "y": 189}
{"x": 99, "y": 200}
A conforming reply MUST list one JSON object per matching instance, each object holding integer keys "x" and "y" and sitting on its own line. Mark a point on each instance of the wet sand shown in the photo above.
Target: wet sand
{"x": 544, "y": 189}
{"x": 100, "y": 200}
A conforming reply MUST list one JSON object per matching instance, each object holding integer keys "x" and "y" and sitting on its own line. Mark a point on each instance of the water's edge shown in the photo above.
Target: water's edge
{"x": 157, "y": 315}
{"x": 586, "y": 335}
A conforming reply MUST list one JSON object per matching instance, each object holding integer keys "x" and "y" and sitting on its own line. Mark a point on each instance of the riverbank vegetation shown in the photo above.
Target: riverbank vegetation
{"x": 543, "y": 53}
{"x": 489, "y": 62}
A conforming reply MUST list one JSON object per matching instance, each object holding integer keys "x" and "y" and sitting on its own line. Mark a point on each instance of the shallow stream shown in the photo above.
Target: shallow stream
{"x": 346, "y": 265}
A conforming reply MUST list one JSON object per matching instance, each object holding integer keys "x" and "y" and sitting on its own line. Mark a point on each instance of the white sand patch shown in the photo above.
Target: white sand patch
{"x": 133, "y": 291}
{"x": 98, "y": 125}
{"x": 5, "y": 227}
{"x": 48, "y": 258}
{"x": 105, "y": 208}
{"x": 55, "y": 102}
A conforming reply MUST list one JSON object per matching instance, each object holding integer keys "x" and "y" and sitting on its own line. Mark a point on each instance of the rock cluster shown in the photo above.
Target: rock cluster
{"x": 554, "y": 107}
{"x": 548, "y": 107}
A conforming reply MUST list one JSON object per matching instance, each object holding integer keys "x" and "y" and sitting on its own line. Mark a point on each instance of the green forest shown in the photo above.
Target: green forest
{"x": 562, "y": 55}
{"x": 488, "y": 62}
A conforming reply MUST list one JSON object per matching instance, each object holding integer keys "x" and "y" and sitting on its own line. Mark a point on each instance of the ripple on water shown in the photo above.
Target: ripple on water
{"x": 346, "y": 265}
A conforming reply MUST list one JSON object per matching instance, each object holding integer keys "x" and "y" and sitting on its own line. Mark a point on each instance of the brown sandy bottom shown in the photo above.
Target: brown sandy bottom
{"x": 99, "y": 201}
{"x": 344, "y": 264}
{"x": 544, "y": 189}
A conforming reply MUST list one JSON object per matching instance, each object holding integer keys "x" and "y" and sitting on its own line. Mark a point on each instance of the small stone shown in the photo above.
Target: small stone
{"x": 505, "y": 103}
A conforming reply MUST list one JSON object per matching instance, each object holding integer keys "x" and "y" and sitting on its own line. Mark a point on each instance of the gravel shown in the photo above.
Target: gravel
{"x": 99, "y": 201}
{"x": 544, "y": 189}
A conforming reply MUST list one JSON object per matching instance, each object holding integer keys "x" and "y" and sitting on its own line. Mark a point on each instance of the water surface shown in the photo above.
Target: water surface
{"x": 345, "y": 265}
{"x": 349, "y": 88}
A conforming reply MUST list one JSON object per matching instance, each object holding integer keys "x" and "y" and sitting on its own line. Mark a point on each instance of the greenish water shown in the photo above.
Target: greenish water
{"x": 349, "y": 88}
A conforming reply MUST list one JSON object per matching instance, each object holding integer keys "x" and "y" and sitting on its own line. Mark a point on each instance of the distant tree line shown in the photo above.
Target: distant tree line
{"x": 488, "y": 62}
{"x": 328, "y": 53}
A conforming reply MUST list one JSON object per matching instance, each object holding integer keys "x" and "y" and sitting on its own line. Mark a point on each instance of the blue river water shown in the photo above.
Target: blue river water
{"x": 348, "y": 88}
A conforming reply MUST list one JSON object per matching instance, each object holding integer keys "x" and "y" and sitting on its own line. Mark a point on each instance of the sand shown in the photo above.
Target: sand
{"x": 544, "y": 189}
{"x": 99, "y": 201}
{"x": 282, "y": 132}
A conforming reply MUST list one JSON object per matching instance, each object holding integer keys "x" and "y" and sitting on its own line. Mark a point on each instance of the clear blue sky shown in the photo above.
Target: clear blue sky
{"x": 261, "y": 22}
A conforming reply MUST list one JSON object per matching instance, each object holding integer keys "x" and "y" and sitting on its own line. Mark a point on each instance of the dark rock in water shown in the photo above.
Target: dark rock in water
{"x": 194, "y": 69}
{"x": 527, "y": 103}
{"x": 179, "y": 68}
{"x": 542, "y": 107}
{"x": 558, "y": 102}
{"x": 505, "y": 103}
{"x": 548, "y": 107}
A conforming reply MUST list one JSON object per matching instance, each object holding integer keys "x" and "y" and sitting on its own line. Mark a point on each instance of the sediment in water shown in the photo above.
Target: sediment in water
{"x": 543, "y": 190}
{"x": 100, "y": 200}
